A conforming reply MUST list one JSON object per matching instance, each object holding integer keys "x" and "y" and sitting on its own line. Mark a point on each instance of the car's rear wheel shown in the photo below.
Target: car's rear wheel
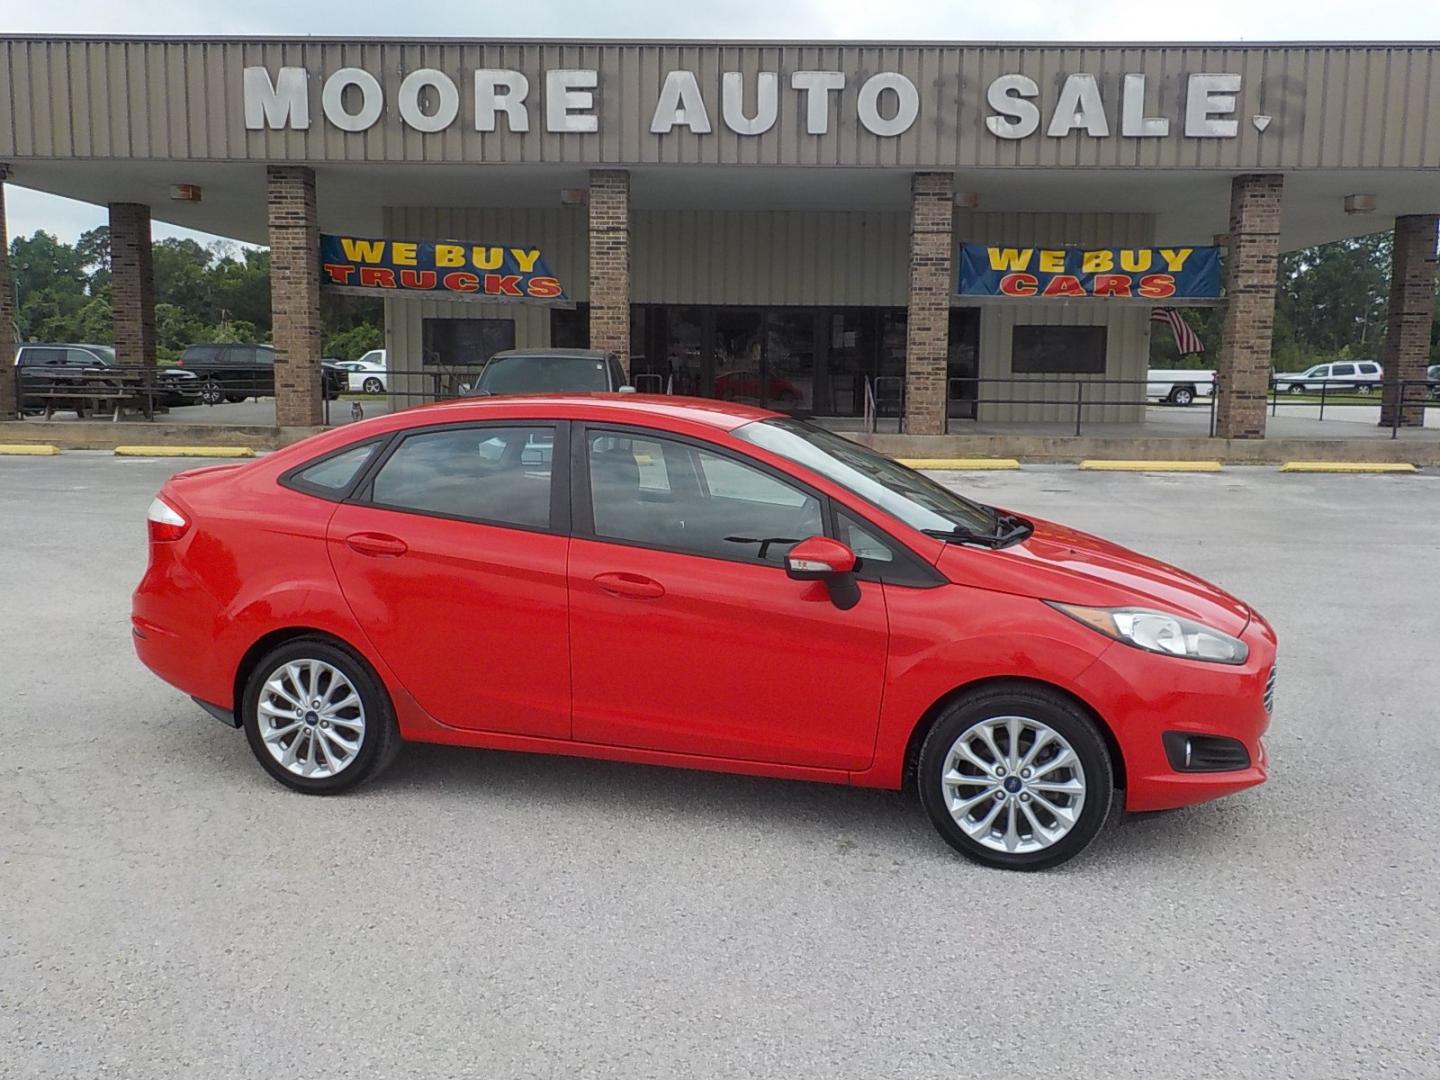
{"x": 1016, "y": 777}
{"x": 374, "y": 386}
{"x": 317, "y": 718}
{"x": 1183, "y": 396}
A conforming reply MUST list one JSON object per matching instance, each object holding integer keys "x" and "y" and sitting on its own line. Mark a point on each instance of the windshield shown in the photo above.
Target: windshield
{"x": 543, "y": 375}
{"x": 910, "y": 496}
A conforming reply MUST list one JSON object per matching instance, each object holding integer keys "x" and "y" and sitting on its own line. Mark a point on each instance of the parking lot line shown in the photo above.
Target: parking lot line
{"x": 185, "y": 451}
{"x": 1102, "y": 465}
{"x": 29, "y": 449}
{"x": 961, "y": 464}
{"x": 1348, "y": 467}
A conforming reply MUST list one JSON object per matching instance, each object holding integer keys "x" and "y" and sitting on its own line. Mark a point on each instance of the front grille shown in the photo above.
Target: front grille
{"x": 1270, "y": 692}
{"x": 1204, "y": 753}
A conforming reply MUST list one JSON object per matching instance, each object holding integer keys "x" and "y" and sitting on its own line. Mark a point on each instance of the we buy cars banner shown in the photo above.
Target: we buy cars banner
{"x": 438, "y": 270}
{"x": 1101, "y": 273}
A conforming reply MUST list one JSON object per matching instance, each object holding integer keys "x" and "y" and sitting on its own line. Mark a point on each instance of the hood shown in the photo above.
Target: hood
{"x": 1060, "y": 563}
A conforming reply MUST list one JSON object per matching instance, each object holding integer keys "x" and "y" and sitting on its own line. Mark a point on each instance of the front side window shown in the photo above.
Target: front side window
{"x": 1319, "y": 372}
{"x": 491, "y": 474}
{"x": 668, "y": 494}
{"x": 903, "y": 493}
{"x": 862, "y": 540}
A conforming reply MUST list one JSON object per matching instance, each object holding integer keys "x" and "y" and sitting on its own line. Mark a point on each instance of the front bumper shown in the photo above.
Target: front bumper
{"x": 1146, "y": 695}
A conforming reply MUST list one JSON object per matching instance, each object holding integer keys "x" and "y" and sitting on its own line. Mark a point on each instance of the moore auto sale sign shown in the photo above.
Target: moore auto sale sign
{"x": 885, "y": 103}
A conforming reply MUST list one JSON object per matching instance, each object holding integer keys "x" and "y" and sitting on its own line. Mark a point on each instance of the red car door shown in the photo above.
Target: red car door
{"x": 686, "y": 634}
{"x": 455, "y": 569}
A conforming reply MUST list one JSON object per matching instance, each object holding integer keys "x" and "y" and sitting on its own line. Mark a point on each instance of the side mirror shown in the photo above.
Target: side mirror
{"x": 819, "y": 559}
{"x": 627, "y": 389}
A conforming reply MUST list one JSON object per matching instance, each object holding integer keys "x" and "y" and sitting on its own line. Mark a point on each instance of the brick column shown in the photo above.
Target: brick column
{"x": 1244, "y": 374}
{"x": 9, "y": 405}
{"x": 1407, "y": 321}
{"x": 610, "y": 262}
{"x": 927, "y": 328}
{"x": 132, "y": 285}
{"x": 295, "y": 295}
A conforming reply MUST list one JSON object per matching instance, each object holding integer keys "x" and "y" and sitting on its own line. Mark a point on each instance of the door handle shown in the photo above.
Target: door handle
{"x": 382, "y": 544}
{"x": 630, "y": 586}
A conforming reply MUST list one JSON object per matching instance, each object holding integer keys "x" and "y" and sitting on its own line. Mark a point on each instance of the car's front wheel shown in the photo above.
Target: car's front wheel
{"x": 211, "y": 393}
{"x": 1297, "y": 388}
{"x": 1016, "y": 776}
{"x": 317, "y": 718}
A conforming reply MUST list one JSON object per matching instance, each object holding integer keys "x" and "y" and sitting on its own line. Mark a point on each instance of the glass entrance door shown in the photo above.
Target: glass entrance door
{"x": 791, "y": 359}
{"x": 737, "y": 355}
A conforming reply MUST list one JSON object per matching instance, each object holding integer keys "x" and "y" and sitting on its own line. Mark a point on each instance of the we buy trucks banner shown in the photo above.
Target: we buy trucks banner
{"x": 1101, "y": 273}
{"x": 438, "y": 270}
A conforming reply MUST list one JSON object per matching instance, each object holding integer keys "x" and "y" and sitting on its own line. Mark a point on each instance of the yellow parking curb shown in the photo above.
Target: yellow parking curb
{"x": 1098, "y": 465}
{"x": 1348, "y": 466}
{"x": 184, "y": 451}
{"x": 28, "y": 449}
{"x": 962, "y": 464}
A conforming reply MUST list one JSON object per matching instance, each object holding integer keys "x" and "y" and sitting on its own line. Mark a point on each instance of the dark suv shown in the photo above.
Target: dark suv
{"x": 549, "y": 371}
{"x": 232, "y": 371}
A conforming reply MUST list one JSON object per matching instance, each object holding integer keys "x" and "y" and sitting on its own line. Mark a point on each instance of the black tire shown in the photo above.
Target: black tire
{"x": 1297, "y": 388}
{"x": 379, "y": 743}
{"x": 211, "y": 393}
{"x": 234, "y": 399}
{"x": 1182, "y": 396}
{"x": 373, "y": 385}
{"x": 1064, "y": 718}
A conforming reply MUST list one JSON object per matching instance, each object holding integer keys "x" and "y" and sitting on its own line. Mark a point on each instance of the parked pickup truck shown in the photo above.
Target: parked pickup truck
{"x": 234, "y": 371}
{"x": 1178, "y": 386}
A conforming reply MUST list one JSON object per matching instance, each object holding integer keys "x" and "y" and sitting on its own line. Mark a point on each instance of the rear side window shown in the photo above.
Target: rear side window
{"x": 37, "y": 357}
{"x": 332, "y": 477}
{"x": 1343, "y": 369}
{"x": 498, "y": 475}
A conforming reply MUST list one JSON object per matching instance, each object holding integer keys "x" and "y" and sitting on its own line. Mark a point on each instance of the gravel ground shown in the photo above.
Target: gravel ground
{"x": 167, "y": 910}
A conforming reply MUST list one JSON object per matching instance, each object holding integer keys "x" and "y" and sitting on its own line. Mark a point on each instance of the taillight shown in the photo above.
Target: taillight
{"x": 166, "y": 523}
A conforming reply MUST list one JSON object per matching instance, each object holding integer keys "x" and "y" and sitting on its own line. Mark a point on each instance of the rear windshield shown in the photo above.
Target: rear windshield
{"x": 543, "y": 375}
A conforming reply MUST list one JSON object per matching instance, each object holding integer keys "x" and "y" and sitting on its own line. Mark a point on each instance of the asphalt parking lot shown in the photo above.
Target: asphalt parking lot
{"x": 167, "y": 910}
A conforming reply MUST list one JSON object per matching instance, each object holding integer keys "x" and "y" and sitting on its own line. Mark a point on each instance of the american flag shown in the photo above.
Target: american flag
{"x": 1186, "y": 340}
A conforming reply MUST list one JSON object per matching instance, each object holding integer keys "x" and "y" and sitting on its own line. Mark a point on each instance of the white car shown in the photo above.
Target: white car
{"x": 368, "y": 374}
{"x": 1360, "y": 375}
{"x": 1178, "y": 385}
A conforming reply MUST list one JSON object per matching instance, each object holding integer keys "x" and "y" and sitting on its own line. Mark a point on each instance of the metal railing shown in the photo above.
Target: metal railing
{"x": 1398, "y": 397}
{"x": 1078, "y": 396}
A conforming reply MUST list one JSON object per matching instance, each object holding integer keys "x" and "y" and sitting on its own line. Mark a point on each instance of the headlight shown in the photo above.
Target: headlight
{"x": 1156, "y": 631}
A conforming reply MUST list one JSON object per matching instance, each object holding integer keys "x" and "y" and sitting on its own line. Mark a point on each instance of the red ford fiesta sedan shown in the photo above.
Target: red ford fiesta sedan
{"x": 684, "y": 582}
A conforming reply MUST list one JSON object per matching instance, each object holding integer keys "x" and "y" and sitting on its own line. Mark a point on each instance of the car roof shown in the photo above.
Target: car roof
{"x": 578, "y": 354}
{"x": 61, "y": 345}
{"x": 615, "y": 408}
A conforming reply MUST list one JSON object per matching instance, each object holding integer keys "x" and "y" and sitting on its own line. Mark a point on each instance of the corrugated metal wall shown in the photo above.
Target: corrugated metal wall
{"x": 790, "y": 258}
{"x": 1127, "y": 326}
{"x": 1343, "y": 106}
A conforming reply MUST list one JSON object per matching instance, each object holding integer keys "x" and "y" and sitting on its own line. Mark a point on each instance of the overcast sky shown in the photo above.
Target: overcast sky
{"x": 957, "y": 20}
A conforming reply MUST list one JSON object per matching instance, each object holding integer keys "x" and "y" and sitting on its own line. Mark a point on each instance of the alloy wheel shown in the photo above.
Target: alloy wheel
{"x": 1013, "y": 784}
{"x": 311, "y": 718}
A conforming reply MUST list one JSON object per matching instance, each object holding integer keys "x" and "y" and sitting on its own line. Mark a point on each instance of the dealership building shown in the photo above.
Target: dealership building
{"x": 783, "y": 223}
